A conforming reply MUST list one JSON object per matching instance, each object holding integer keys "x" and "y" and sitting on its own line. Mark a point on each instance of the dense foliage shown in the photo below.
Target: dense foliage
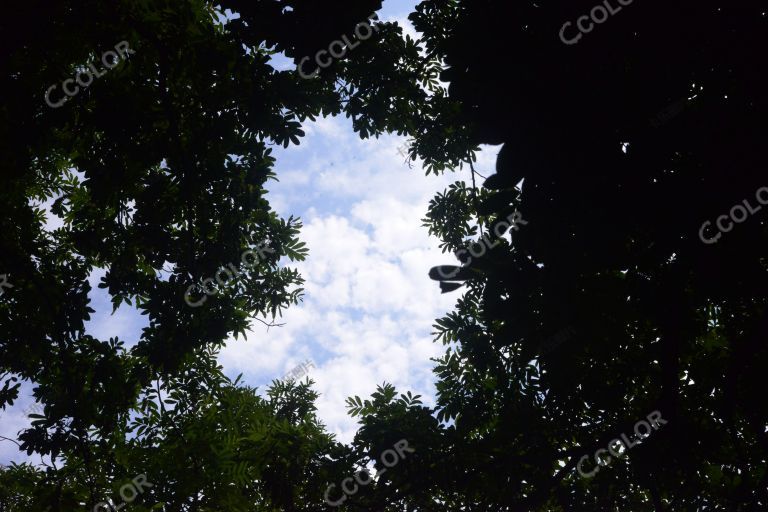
{"x": 616, "y": 149}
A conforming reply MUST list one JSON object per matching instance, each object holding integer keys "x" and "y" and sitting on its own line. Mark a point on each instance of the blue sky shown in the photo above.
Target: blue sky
{"x": 369, "y": 306}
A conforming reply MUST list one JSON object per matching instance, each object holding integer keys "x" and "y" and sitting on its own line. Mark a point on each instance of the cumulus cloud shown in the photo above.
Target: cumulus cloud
{"x": 369, "y": 305}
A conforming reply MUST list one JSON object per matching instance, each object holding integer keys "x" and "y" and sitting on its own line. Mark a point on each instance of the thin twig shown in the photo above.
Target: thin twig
{"x": 269, "y": 324}
{"x": 3, "y": 438}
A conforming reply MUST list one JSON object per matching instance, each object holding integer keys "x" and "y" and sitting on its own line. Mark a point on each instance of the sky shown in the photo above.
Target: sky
{"x": 368, "y": 306}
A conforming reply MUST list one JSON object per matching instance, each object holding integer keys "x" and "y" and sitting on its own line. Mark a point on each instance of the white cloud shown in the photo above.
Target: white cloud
{"x": 369, "y": 307}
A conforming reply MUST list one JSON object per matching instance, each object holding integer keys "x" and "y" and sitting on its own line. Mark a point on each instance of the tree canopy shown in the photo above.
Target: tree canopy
{"x": 598, "y": 285}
